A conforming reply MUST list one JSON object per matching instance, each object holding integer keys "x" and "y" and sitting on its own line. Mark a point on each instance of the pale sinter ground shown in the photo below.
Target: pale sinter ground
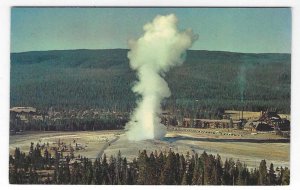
{"x": 110, "y": 142}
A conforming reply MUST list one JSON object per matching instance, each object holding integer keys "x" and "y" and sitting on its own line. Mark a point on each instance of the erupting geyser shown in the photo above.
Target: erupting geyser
{"x": 161, "y": 47}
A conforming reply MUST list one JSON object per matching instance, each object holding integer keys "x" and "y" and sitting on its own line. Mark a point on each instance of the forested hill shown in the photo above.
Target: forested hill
{"x": 208, "y": 80}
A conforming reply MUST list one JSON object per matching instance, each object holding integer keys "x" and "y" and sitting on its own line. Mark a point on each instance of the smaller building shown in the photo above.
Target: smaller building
{"x": 268, "y": 121}
{"x": 23, "y": 110}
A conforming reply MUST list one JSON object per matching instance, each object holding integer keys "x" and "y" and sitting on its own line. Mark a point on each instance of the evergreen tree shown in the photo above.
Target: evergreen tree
{"x": 198, "y": 173}
{"x": 156, "y": 169}
{"x": 72, "y": 152}
{"x": 168, "y": 173}
{"x": 143, "y": 165}
{"x": 271, "y": 175}
{"x": 98, "y": 178}
{"x": 184, "y": 179}
{"x": 66, "y": 175}
{"x": 13, "y": 175}
{"x": 104, "y": 172}
{"x": 285, "y": 176}
{"x": 112, "y": 170}
{"x": 55, "y": 180}
{"x": 190, "y": 169}
{"x": 77, "y": 174}
{"x": 254, "y": 176}
{"x": 17, "y": 156}
{"x": 152, "y": 175}
{"x": 211, "y": 170}
{"x": 243, "y": 174}
{"x": 134, "y": 172}
{"x": 263, "y": 173}
{"x": 31, "y": 148}
{"x": 232, "y": 172}
{"x": 48, "y": 181}
{"x": 118, "y": 169}
{"x": 124, "y": 175}
{"x": 182, "y": 169}
{"x": 160, "y": 163}
{"x": 226, "y": 178}
{"x": 178, "y": 179}
{"x": 219, "y": 170}
{"x": 46, "y": 156}
{"x": 204, "y": 160}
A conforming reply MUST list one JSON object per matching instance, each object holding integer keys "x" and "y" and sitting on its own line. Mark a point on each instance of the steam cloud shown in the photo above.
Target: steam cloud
{"x": 161, "y": 47}
{"x": 242, "y": 81}
{"x": 244, "y": 69}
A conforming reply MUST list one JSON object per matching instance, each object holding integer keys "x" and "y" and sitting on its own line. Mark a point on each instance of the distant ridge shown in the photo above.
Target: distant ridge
{"x": 217, "y": 51}
{"x": 102, "y": 78}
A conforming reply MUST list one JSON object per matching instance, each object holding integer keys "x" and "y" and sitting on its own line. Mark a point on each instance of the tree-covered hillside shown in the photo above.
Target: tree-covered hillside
{"x": 207, "y": 80}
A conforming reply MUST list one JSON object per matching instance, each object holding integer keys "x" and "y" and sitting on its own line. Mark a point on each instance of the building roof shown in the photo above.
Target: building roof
{"x": 211, "y": 120}
{"x": 269, "y": 115}
{"x": 23, "y": 109}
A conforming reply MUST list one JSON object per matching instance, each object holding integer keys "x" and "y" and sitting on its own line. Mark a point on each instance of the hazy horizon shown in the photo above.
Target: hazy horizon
{"x": 128, "y": 50}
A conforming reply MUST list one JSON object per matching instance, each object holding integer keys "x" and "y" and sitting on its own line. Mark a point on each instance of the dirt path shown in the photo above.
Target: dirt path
{"x": 106, "y": 146}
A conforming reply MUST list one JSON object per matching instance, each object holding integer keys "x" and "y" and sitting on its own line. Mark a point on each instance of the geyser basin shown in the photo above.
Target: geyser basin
{"x": 161, "y": 47}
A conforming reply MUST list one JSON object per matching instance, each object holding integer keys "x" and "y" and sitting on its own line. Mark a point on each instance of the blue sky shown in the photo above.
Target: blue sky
{"x": 250, "y": 30}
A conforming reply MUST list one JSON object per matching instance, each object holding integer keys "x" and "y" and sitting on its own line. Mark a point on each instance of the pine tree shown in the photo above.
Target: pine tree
{"x": 90, "y": 173}
{"x": 77, "y": 174}
{"x": 31, "y": 149}
{"x": 152, "y": 175}
{"x": 177, "y": 169}
{"x": 46, "y": 156}
{"x": 211, "y": 170}
{"x": 118, "y": 169}
{"x": 243, "y": 176}
{"x": 134, "y": 172}
{"x": 232, "y": 172}
{"x": 55, "y": 181}
{"x": 131, "y": 176}
{"x": 263, "y": 173}
{"x": 160, "y": 163}
{"x": 184, "y": 179}
{"x": 168, "y": 173}
{"x": 17, "y": 156}
{"x": 190, "y": 169}
{"x": 97, "y": 172}
{"x": 124, "y": 175}
{"x": 48, "y": 181}
{"x": 112, "y": 170}
{"x": 182, "y": 168}
{"x": 66, "y": 174}
{"x": 226, "y": 175}
{"x": 253, "y": 178}
{"x": 155, "y": 169}
{"x": 198, "y": 173}
{"x": 271, "y": 175}
{"x": 285, "y": 176}
{"x": 13, "y": 175}
{"x": 143, "y": 165}
{"x": 219, "y": 170}
{"x": 105, "y": 173}
{"x": 204, "y": 160}
{"x": 72, "y": 152}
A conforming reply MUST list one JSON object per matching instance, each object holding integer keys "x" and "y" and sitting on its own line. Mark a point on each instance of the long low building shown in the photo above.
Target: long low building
{"x": 204, "y": 123}
{"x": 23, "y": 109}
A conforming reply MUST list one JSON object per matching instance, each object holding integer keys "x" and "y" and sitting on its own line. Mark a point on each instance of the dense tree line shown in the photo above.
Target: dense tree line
{"x": 167, "y": 168}
{"x": 110, "y": 122}
{"x": 209, "y": 80}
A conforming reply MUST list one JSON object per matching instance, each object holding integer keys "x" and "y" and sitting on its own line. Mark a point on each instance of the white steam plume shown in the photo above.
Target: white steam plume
{"x": 161, "y": 47}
